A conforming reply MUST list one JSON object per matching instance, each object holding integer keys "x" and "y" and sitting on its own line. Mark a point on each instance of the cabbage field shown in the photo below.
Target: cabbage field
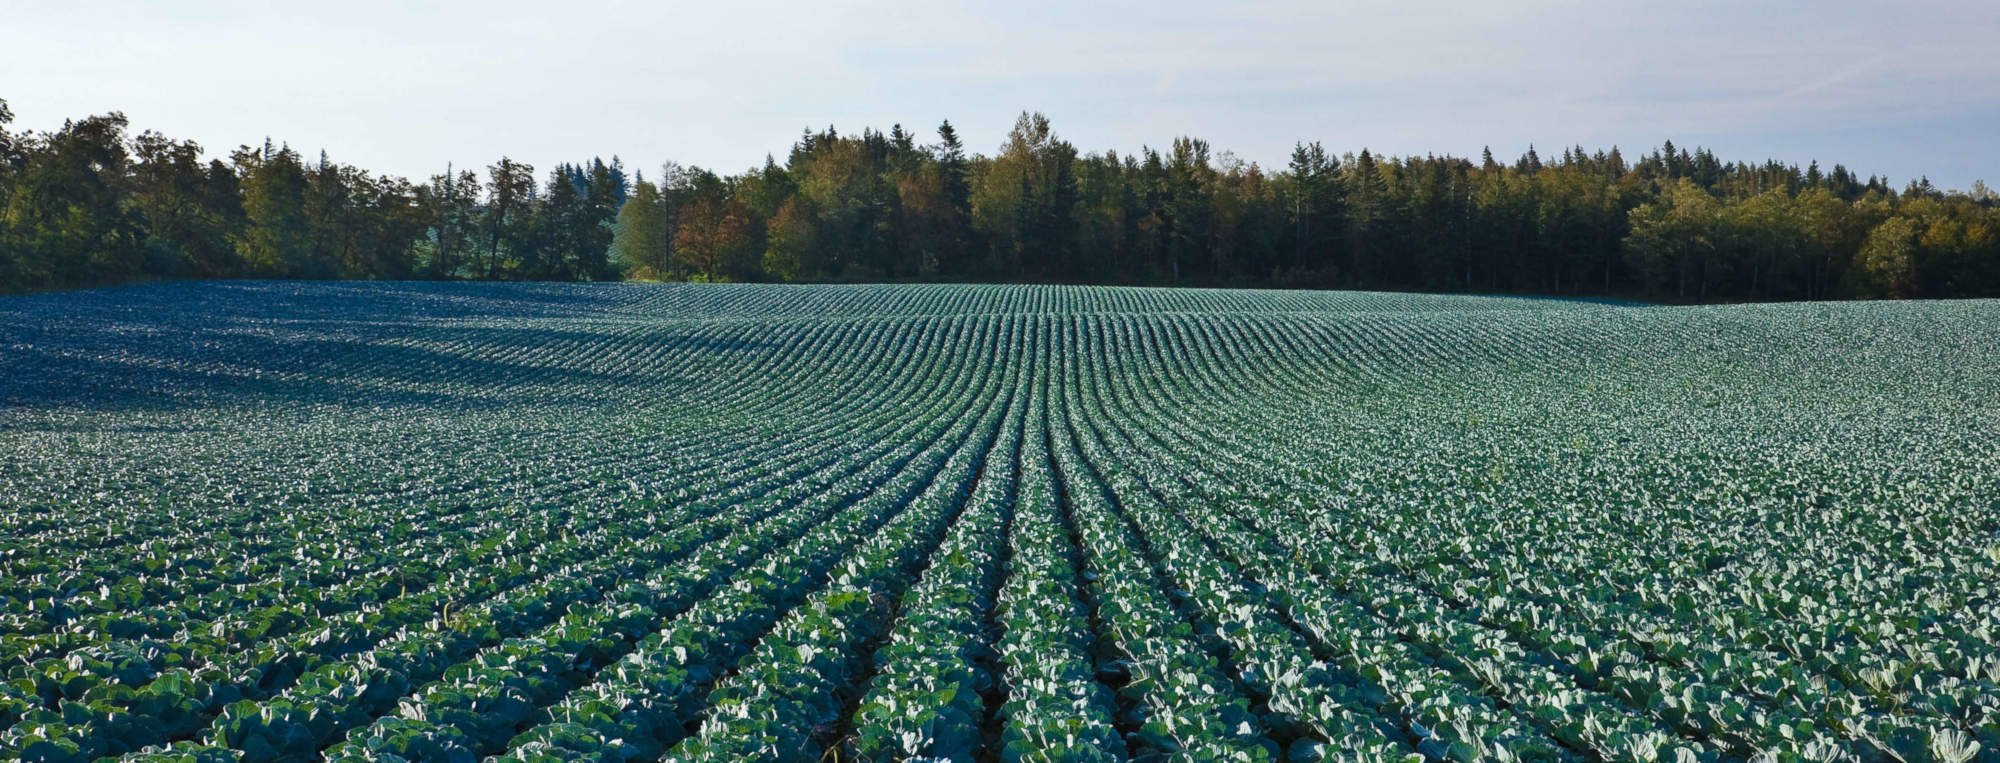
{"x": 270, "y": 521}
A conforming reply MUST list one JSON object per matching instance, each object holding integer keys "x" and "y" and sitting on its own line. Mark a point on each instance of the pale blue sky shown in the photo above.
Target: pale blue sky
{"x": 1900, "y": 88}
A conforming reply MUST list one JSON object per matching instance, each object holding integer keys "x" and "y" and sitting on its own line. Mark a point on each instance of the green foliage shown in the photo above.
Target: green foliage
{"x": 86, "y": 205}
{"x": 1886, "y": 266}
{"x": 275, "y": 239}
{"x": 639, "y": 239}
{"x": 1677, "y": 239}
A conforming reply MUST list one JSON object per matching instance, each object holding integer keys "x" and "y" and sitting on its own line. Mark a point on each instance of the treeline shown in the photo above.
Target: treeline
{"x": 92, "y": 204}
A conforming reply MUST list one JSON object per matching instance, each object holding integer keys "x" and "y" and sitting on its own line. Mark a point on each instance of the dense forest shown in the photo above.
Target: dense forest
{"x": 91, "y": 204}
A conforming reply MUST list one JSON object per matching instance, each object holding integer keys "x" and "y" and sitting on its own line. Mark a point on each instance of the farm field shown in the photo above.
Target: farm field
{"x": 273, "y": 521}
